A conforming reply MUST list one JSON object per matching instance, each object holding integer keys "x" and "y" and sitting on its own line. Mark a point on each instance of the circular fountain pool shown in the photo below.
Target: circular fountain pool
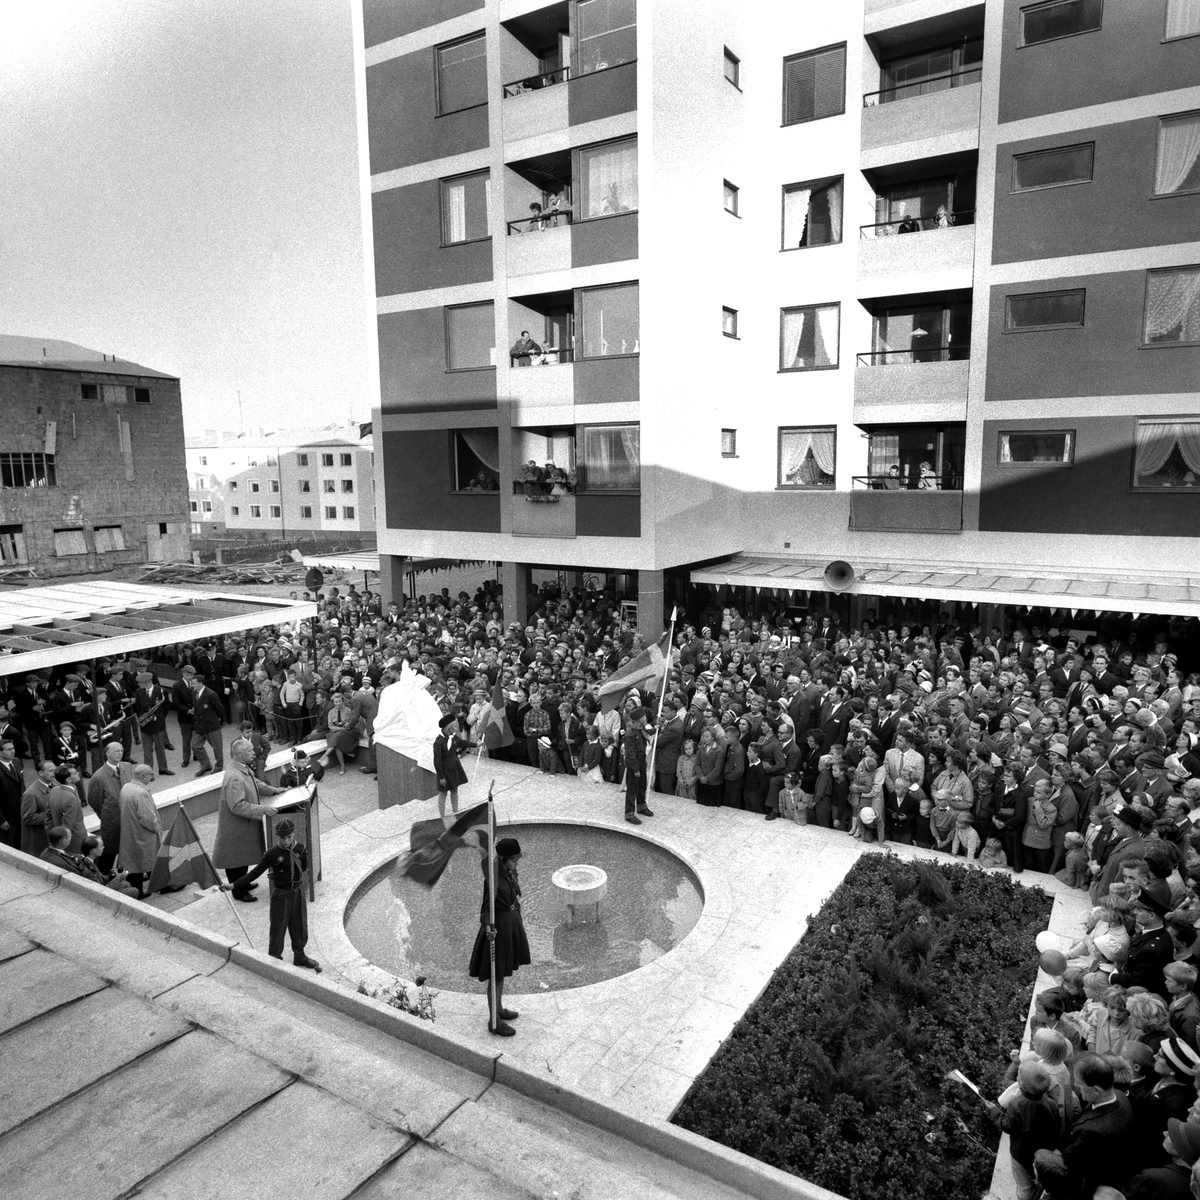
{"x": 652, "y": 904}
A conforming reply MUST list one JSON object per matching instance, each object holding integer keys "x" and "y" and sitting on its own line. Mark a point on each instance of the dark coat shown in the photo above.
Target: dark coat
{"x": 670, "y": 743}
{"x": 446, "y": 766}
{"x": 209, "y": 714}
{"x": 146, "y": 701}
{"x": 12, "y": 788}
{"x": 1148, "y": 953}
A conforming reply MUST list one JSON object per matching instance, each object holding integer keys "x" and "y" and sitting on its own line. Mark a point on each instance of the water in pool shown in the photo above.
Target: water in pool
{"x": 653, "y": 902}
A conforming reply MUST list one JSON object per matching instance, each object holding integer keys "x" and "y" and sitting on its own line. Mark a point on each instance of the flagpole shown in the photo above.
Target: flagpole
{"x": 493, "y": 1007}
{"x": 662, "y": 695}
{"x": 228, "y": 897}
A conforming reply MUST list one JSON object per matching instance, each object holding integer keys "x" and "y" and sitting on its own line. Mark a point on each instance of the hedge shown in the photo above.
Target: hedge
{"x": 836, "y": 1072}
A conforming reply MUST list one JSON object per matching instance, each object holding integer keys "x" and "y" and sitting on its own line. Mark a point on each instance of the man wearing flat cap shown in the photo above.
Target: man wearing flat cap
{"x": 1150, "y": 948}
{"x": 1123, "y": 843}
{"x": 151, "y": 703}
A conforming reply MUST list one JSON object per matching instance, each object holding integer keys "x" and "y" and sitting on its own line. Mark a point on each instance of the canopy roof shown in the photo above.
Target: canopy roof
{"x": 1173, "y": 595}
{"x": 368, "y": 560}
{"x": 73, "y": 622}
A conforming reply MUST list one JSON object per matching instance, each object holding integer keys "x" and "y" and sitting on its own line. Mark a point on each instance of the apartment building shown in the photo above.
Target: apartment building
{"x": 91, "y": 461}
{"x": 721, "y": 294}
{"x": 312, "y": 484}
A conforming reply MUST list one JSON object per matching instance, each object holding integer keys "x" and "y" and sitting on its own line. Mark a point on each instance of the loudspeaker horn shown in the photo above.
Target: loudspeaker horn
{"x": 839, "y": 575}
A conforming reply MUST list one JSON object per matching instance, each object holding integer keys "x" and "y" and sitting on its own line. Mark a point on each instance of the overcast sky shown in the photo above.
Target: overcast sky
{"x": 179, "y": 186}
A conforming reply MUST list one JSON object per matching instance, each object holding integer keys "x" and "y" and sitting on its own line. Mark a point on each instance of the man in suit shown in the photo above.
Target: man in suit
{"x": 208, "y": 715}
{"x": 1123, "y": 843}
{"x": 151, "y": 705}
{"x": 11, "y": 730}
{"x": 364, "y": 707}
{"x": 835, "y": 720}
{"x": 122, "y": 702}
{"x": 670, "y": 743}
{"x": 183, "y": 701}
{"x": 12, "y": 788}
{"x": 104, "y": 795}
{"x": 798, "y": 705}
{"x": 31, "y": 703}
{"x": 57, "y": 853}
{"x": 791, "y": 762}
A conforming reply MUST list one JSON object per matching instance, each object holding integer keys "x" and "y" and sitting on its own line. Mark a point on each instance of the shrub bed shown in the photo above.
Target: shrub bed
{"x": 836, "y": 1072}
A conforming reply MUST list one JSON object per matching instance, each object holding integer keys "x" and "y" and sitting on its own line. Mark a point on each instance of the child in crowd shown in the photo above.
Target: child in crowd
{"x": 1184, "y": 1006}
{"x": 589, "y": 757}
{"x": 992, "y": 854}
{"x": 1032, "y": 1123}
{"x": 262, "y": 747}
{"x": 1113, "y": 1026}
{"x": 685, "y": 771}
{"x": 966, "y": 837}
{"x": 793, "y": 803}
{"x": 1075, "y": 873}
{"x": 1095, "y": 985}
{"x": 923, "y": 834}
{"x": 610, "y": 762}
{"x": 942, "y": 823}
{"x": 755, "y": 792}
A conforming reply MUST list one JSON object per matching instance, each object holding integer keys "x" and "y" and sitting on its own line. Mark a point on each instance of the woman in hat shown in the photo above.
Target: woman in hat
{"x": 446, "y": 766}
{"x": 508, "y": 934}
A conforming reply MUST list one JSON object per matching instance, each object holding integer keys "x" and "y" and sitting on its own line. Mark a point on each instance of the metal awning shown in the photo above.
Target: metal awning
{"x": 1175, "y": 595}
{"x": 74, "y": 622}
{"x": 368, "y": 560}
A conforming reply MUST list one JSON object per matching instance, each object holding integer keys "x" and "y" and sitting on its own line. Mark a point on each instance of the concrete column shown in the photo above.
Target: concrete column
{"x": 514, "y": 579}
{"x": 650, "y": 606}
{"x": 391, "y": 579}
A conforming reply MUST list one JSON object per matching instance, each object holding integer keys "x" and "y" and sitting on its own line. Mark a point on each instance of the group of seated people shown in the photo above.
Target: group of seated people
{"x": 545, "y": 483}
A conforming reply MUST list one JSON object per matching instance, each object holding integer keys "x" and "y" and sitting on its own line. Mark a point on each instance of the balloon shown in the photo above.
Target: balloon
{"x": 1053, "y": 962}
{"x": 1046, "y": 940}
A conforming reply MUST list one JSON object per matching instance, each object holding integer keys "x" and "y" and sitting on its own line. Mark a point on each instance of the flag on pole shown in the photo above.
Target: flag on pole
{"x": 181, "y": 859}
{"x": 431, "y": 843}
{"x": 496, "y": 730}
{"x": 642, "y": 671}
{"x": 958, "y": 1077}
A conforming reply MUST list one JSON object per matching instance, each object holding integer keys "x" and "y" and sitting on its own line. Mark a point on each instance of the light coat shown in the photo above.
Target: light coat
{"x": 141, "y": 834}
{"x": 240, "y": 841}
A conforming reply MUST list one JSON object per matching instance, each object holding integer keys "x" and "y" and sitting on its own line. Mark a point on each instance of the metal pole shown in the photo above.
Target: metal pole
{"x": 493, "y": 1006}
{"x": 662, "y": 695}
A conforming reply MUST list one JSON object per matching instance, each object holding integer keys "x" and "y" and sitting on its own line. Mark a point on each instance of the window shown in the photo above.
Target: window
{"x": 329, "y": 485}
{"x": 195, "y": 505}
{"x": 1053, "y": 168}
{"x": 69, "y": 541}
{"x": 731, "y": 198}
{"x": 476, "y": 457}
{"x": 807, "y": 457}
{"x": 330, "y": 513}
{"x": 915, "y": 457}
{"x": 348, "y": 514}
{"x": 22, "y": 469}
{"x": 234, "y": 511}
{"x": 1058, "y": 19}
{"x": 347, "y": 485}
{"x": 814, "y": 85}
{"x": 608, "y": 179}
{"x": 606, "y": 34}
{"x": 273, "y": 485}
{"x": 610, "y": 320}
{"x": 12, "y": 544}
{"x": 729, "y": 443}
{"x": 206, "y": 506}
{"x": 466, "y": 208}
{"x": 812, "y": 213}
{"x": 256, "y": 510}
{"x": 327, "y": 460}
{"x": 1172, "y": 307}
{"x": 808, "y": 337}
{"x": 346, "y": 460}
{"x": 935, "y": 69}
{"x": 306, "y": 512}
{"x": 1044, "y": 310}
{"x": 141, "y": 395}
{"x": 233, "y": 485}
{"x": 461, "y": 74}
{"x": 1038, "y": 446}
{"x": 89, "y": 391}
{"x": 1183, "y": 19}
{"x": 1167, "y": 453}
{"x": 470, "y": 338}
{"x": 110, "y": 538}
{"x": 275, "y": 511}
{"x": 305, "y": 486}
{"x": 733, "y": 68}
{"x": 610, "y": 458}
{"x": 729, "y": 322}
{"x": 1177, "y": 167}
{"x": 204, "y": 460}
{"x": 302, "y": 460}
{"x": 254, "y": 485}
{"x": 920, "y": 333}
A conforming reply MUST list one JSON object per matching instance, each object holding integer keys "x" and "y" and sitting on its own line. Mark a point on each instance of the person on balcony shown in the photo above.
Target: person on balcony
{"x": 556, "y": 209}
{"x": 892, "y": 481}
{"x": 523, "y": 349}
{"x": 943, "y": 219}
{"x": 928, "y": 482}
{"x": 908, "y": 225}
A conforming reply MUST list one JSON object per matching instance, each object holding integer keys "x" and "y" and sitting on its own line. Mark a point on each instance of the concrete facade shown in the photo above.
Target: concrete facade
{"x": 92, "y": 470}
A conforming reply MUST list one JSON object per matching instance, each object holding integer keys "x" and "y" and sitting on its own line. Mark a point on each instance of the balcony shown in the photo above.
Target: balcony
{"x": 917, "y": 254}
{"x": 921, "y": 119}
{"x": 534, "y": 248}
{"x": 880, "y": 15}
{"x": 879, "y": 504}
{"x": 536, "y": 512}
{"x": 907, "y": 378}
{"x": 535, "y": 106}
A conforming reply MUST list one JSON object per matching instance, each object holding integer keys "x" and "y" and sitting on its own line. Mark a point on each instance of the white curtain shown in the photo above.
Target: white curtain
{"x": 793, "y": 331}
{"x": 1173, "y": 299}
{"x": 824, "y": 448}
{"x": 795, "y": 215}
{"x": 631, "y": 443}
{"x": 827, "y": 336}
{"x": 1178, "y": 149}
{"x": 793, "y": 452}
{"x": 1183, "y": 18}
{"x": 485, "y": 445}
{"x": 611, "y": 456}
{"x": 456, "y": 212}
{"x": 835, "y": 211}
{"x": 1155, "y": 441}
{"x": 798, "y": 445}
{"x": 1188, "y": 435}
{"x": 610, "y": 179}
{"x": 883, "y": 452}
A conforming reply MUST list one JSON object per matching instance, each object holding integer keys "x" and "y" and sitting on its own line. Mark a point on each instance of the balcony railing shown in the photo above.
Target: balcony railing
{"x": 544, "y": 491}
{"x": 917, "y": 224}
{"x": 547, "y": 357}
{"x": 535, "y": 83}
{"x": 923, "y": 87}
{"x": 926, "y": 354}
{"x": 552, "y": 218}
{"x": 909, "y": 483}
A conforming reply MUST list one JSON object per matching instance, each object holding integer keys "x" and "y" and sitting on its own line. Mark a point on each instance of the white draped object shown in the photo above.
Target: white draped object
{"x": 611, "y": 455}
{"x": 793, "y": 331}
{"x": 795, "y": 215}
{"x": 1183, "y": 18}
{"x": 485, "y": 445}
{"x": 835, "y": 211}
{"x": 1178, "y": 149}
{"x": 827, "y": 335}
{"x": 795, "y": 467}
{"x": 1156, "y": 440}
{"x": 456, "y": 212}
{"x": 408, "y": 717}
{"x": 1173, "y": 302}
{"x": 610, "y": 179}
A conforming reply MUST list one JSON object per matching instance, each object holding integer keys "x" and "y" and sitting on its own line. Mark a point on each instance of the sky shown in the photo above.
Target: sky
{"x": 179, "y": 186}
